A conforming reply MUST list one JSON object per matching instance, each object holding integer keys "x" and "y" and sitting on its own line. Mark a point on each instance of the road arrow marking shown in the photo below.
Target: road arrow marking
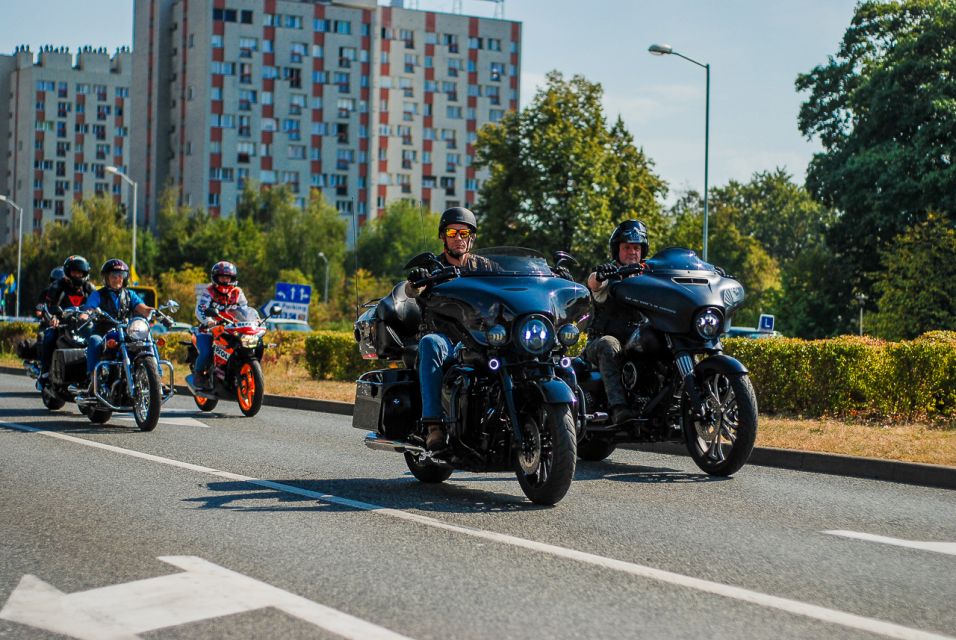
{"x": 202, "y": 591}
{"x": 937, "y": 547}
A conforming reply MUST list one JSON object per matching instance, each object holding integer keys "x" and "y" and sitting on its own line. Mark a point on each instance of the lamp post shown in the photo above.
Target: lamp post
{"x": 325, "y": 293}
{"x": 115, "y": 171}
{"x": 19, "y": 211}
{"x": 861, "y": 298}
{"x": 664, "y": 50}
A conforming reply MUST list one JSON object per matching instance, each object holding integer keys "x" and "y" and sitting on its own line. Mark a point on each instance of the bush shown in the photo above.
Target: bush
{"x": 12, "y": 333}
{"x": 334, "y": 355}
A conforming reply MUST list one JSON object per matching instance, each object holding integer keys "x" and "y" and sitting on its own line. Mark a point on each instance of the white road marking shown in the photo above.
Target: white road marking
{"x": 203, "y": 591}
{"x": 834, "y": 616}
{"x": 938, "y": 547}
{"x": 177, "y": 417}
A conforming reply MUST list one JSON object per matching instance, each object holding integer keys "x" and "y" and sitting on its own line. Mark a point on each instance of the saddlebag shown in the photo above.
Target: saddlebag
{"x": 68, "y": 366}
{"x": 388, "y": 402}
{"x": 28, "y": 349}
{"x": 388, "y": 331}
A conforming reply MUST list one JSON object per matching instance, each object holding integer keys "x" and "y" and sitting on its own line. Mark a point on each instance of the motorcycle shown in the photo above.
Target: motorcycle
{"x": 237, "y": 353}
{"x": 677, "y": 379}
{"x": 508, "y": 390}
{"x": 68, "y": 365}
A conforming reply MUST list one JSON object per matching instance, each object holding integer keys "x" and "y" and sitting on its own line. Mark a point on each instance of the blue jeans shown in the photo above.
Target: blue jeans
{"x": 204, "y": 347}
{"x": 94, "y": 350}
{"x": 46, "y": 349}
{"x": 433, "y": 350}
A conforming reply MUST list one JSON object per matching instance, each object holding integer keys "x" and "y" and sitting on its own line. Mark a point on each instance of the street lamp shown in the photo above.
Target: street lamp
{"x": 664, "y": 50}
{"x": 19, "y": 211}
{"x": 325, "y": 296}
{"x": 861, "y": 298}
{"x": 114, "y": 170}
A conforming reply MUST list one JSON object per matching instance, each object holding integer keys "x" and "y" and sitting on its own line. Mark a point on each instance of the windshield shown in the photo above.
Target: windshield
{"x": 677, "y": 259}
{"x": 242, "y": 314}
{"x": 510, "y": 261}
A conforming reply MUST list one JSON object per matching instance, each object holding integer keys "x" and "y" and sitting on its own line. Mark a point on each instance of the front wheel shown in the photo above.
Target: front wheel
{"x": 206, "y": 404}
{"x": 427, "y": 472}
{"x": 250, "y": 388}
{"x": 148, "y": 394}
{"x": 99, "y": 416}
{"x": 545, "y": 461}
{"x": 721, "y": 437}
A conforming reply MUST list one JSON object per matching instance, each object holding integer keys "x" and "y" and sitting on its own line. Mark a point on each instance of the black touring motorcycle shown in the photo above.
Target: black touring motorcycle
{"x": 128, "y": 378}
{"x": 508, "y": 390}
{"x": 682, "y": 386}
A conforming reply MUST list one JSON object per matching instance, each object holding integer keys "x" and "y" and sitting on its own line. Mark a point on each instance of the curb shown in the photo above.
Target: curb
{"x": 926, "y": 475}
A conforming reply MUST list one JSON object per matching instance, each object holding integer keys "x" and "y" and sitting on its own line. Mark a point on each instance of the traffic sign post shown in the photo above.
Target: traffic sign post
{"x": 296, "y": 293}
{"x": 766, "y": 323}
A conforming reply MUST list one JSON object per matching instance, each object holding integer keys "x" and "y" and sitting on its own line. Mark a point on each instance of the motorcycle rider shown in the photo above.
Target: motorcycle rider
{"x": 72, "y": 289}
{"x": 56, "y": 275}
{"x": 221, "y": 295}
{"x": 115, "y": 299}
{"x": 457, "y": 230}
{"x": 611, "y": 325}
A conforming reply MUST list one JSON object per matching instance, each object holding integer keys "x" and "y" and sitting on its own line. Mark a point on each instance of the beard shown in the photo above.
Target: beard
{"x": 455, "y": 252}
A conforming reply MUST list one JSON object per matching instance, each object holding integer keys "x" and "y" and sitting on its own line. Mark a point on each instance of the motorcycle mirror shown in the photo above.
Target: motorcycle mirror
{"x": 275, "y": 310}
{"x": 172, "y": 305}
{"x": 560, "y": 257}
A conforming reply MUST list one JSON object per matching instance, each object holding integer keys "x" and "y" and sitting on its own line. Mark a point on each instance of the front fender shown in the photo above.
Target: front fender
{"x": 722, "y": 364}
{"x": 555, "y": 391}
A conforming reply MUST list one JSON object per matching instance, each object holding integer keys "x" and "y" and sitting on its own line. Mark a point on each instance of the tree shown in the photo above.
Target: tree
{"x": 389, "y": 241}
{"x": 917, "y": 285}
{"x": 560, "y": 178}
{"x": 884, "y": 109}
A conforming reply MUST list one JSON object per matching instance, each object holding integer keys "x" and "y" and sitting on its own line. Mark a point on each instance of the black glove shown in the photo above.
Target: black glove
{"x": 167, "y": 323}
{"x": 605, "y": 271}
{"x": 417, "y": 274}
{"x": 562, "y": 272}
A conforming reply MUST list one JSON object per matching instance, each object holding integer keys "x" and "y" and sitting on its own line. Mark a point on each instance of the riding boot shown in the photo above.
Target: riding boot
{"x": 434, "y": 434}
{"x": 622, "y": 413}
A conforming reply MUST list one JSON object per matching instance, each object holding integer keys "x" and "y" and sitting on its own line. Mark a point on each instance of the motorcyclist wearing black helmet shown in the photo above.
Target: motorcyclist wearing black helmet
{"x": 457, "y": 230}
{"x": 56, "y": 274}
{"x": 611, "y": 326}
{"x": 71, "y": 290}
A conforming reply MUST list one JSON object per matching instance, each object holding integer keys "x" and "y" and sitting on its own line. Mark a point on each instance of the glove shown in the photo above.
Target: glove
{"x": 167, "y": 323}
{"x": 562, "y": 272}
{"x": 417, "y": 274}
{"x": 605, "y": 271}
{"x": 210, "y": 322}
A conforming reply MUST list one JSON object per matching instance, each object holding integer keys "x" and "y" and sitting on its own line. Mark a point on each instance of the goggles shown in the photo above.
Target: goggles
{"x": 460, "y": 233}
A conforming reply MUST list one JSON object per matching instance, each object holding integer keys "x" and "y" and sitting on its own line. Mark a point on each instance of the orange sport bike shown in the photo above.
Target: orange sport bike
{"x": 236, "y": 370}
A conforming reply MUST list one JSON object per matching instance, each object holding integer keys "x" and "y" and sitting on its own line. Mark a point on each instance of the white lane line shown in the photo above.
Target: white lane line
{"x": 834, "y": 616}
{"x": 938, "y": 547}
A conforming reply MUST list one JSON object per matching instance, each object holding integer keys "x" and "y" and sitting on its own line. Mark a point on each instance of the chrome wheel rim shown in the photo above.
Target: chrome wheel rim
{"x": 717, "y": 430}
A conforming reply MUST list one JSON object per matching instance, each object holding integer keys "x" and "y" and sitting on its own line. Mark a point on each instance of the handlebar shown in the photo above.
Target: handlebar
{"x": 443, "y": 275}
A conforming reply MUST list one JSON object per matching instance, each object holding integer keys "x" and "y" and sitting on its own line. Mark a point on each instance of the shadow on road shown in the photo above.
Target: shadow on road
{"x": 20, "y": 394}
{"x": 619, "y": 472}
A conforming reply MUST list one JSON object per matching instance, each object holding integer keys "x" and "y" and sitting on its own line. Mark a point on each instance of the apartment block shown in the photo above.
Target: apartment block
{"x": 63, "y": 120}
{"x": 368, "y": 103}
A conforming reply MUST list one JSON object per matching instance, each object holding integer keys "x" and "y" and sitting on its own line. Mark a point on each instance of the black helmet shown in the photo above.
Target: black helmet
{"x": 115, "y": 264}
{"x": 77, "y": 263}
{"x": 457, "y": 215}
{"x": 56, "y": 275}
{"x": 217, "y": 273}
{"x": 629, "y": 231}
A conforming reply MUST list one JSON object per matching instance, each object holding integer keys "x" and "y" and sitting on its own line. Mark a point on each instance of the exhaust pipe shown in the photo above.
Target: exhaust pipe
{"x": 377, "y": 442}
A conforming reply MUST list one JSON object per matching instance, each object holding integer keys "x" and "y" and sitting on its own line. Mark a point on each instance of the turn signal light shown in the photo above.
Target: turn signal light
{"x": 112, "y": 343}
{"x": 161, "y": 342}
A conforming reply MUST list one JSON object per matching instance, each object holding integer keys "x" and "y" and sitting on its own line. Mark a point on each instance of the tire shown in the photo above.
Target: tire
{"x": 250, "y": 388}
{"x": 206, "y": 404}
{"x": 100, "y": 416}
{"x": 427, "y": 473}
{"x": 722, "y": 443}
{"x": 149, "y": 396}
{"x": 545, "y": 463}
{"x": 50, "y": 400}
{"x": 595, "y": 449}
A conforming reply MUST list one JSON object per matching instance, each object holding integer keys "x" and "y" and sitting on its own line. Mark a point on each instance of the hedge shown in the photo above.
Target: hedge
{"x": 12, "y": 333}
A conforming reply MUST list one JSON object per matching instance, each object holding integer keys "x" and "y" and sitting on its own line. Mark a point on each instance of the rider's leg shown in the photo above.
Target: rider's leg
{"x": 433, "y": 350}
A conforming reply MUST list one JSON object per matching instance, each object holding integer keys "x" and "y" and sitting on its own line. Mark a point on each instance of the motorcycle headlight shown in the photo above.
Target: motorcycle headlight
{"x": 497, "y": 336}
{"x": 138, "y": 329}
{"x": 568, "y": 335}
{"x": 249, "y": 342}
{"x": 536, "y": 336}
{"x": 732, "y": 296}
{"x": 708, "y": 323}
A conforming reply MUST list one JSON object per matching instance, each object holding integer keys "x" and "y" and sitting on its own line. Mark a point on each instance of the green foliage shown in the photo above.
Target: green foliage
{"x": 12, "y": 333}
{"x": 851, "y": 376}
{"x": 560, "y": 177}
{"x": 884, "y": 109}
{"x": 388, "y": 242}
{"x": 817, "y": 297}
{"x": 917, "y": 286}
{"x": 333, "y": 355}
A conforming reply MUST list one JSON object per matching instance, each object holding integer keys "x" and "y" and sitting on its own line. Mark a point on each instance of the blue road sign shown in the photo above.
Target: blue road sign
{"x": 766, "y": 322}
{"x": 297, "y": 293}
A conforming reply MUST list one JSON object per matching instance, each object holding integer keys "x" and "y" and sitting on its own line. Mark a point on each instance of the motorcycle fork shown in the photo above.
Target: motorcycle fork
{"x": 685, "y": 365}
{"x": 128, "y": 368}
{"x": 508, "y": 390}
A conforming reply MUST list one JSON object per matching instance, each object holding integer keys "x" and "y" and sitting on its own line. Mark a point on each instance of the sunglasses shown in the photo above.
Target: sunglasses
{"x": 461, "y": 233}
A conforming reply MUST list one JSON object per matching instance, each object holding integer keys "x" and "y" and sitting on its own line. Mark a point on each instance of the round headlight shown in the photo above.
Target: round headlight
{"x": 138, "y": 329}
{"x": 708, "y": 323}
{"x": 535, "y": 335}
{"x": 497, "y": 336}
{"x": 569, "y": 335}
{"x": 249, "y": 341}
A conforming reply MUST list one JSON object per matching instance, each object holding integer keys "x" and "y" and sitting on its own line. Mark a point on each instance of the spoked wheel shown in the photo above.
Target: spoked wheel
{"x": 427, "y": 472}
{"x": 206, "y": 404}
{"x": 250, "y": 388}
{"x": 721, "y": 439}
{"x": 545, "y": 461}
{"x": 148, "y": 394}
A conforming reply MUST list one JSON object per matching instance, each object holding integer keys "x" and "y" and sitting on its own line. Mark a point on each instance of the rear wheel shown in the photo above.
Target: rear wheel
{"x": 50, "y": 400}
{"x": 100, "y": 416}
{"x": 545, "y": 461}
{"x": 595, "y": 449}
{"x": 427, "y": 472}
{"x": 206, "y": 404}
{"x": 148, "y": 394}
{"x": 722, "y": 437}
{"x": 250, "y": 389}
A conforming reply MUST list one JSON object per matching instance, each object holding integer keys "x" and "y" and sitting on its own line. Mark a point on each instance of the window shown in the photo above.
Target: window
{"x": 122, "y": 92}
{"x": 297, "y": 51}
{"x": 320, "y": 25}
{"x": 245, "y": 16}
{"x": 296, "y": 103}
{"x": 476, "y": 43}
{"x": 343, "y": 26}
{"x": 216, "y": 41}
{"x": 497, "y": 70}
{"x": 296, "y": 152}
{"x": 494, "y": 44}
{"x": 495, "y": 115}
{"x": 245, "y": 151}
{"x": 451, "y": 41}
{"x": 293, "y": 22}
{"x": 345, "y": 107}
{"x": 453, "y": 112}
{"x": 293, "y": 75}
{"x": 247, "y": 46}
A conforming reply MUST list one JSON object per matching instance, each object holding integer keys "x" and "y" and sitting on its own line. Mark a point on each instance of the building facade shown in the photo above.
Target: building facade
{"x": 367, "y": 103}
{"x": 64, "y": 120}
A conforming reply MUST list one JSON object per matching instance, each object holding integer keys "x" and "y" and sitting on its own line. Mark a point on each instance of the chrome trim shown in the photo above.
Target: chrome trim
{"x": 379, "y": 443}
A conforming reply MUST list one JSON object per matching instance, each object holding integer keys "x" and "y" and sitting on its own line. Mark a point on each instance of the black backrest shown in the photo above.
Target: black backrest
{"x": 401, "y": 313}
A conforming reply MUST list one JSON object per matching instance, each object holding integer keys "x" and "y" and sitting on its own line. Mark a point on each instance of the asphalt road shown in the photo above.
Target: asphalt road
{"x": 285, "y": 525}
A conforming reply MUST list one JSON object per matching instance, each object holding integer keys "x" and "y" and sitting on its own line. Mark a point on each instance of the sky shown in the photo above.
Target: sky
{"x": 756, "y": 49}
